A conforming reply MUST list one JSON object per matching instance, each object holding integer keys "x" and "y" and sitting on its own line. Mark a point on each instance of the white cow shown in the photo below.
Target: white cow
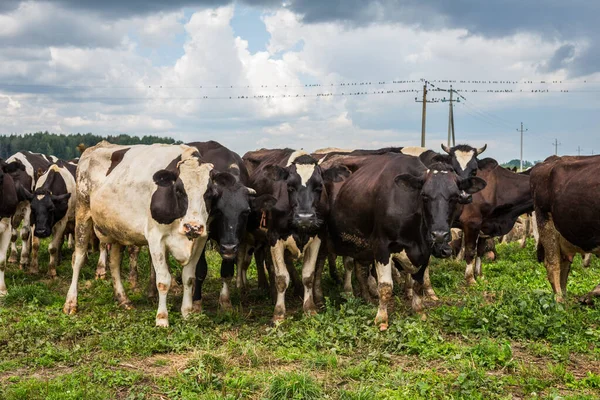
{"x": 142, "y": 195}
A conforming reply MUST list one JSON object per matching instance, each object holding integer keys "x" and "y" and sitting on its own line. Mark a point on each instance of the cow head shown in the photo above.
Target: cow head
{"x": 230, "y": 204}
{"x": 180, "y": 194}
{"x": 13, "y": 168}
{"x": 463, "y": 159}
{"x": 46, "y": 210}
{"x": 304, "y": 184}
{"x": 439, "y": 191}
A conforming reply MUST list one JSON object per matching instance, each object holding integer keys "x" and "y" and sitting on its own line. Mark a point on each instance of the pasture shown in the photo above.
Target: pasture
{"x": 505, "y": 338}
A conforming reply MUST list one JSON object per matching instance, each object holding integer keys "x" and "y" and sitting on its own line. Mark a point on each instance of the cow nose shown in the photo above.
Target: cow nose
{"x": 193, "y": 230}
{"x": 440, "y": 236}
{"x": 465, "y": 198}
{"x": 228, "y": 250}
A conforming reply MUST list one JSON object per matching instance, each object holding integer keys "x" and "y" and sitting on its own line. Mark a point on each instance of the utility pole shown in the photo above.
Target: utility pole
{"x": 578, "y": 150}
{"x": 451, "y": 135}
{"x": 556, "y": 144}
{"x": 423, "y": 120}
{"x": 521, "y": 165}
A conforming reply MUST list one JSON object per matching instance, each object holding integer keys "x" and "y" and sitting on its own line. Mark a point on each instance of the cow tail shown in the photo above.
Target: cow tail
{"x": 541, "y": 253}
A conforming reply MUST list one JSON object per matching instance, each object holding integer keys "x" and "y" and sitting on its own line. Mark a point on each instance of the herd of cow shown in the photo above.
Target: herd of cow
{"x": 384, "y": 211}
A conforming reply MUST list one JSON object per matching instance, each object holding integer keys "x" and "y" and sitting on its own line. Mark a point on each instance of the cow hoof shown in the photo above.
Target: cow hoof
{"x": 3, "y": 292}
{"x": 585, "y": 300}
{"x": 310, "y": 311}
{"x": 162, "y": 322}
{"x": 383, "y": 326}
{"x": 432, "y": 297}
{"x": 126, "y": 305}
{"x": 197, "y": 306}
{"x": 277, "y": 319}
{"x": 471, "y": 282}
{"x": 100, "y": 277}
{"x": 70, "y": 309}
{"x": 12, "y": 260}
{"x": 225, "y": 305}
{"x": 51, "y": 274}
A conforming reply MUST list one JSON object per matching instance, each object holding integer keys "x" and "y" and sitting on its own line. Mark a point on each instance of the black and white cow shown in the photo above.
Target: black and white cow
{"x": 395, "y": 210}
{"x": 9, "y": 201}
{"x": 296, "y": 222}
{"x": 34, "y": 165}
{"x": 142, "y": 195}
{"x": 52, "y": 213}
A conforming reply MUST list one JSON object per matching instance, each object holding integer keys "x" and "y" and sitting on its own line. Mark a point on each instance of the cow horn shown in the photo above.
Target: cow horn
{"x": 481, "y": 149}
{"x": 251, "y": 191}
{"x": 445, "y": 148}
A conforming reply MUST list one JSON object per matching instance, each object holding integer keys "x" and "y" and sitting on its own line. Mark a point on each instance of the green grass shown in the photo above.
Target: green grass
{"x": 503, "y": 338}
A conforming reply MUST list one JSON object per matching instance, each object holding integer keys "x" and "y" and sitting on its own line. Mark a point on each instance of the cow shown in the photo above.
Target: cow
{"x": 142, "y": 195}
{"x": 493, "y": 211}
{"x": 394, "y": 209}
{"x": 566, "y": 201}
{"x": 34, "y": 165}
{"x": 9, "y": 201}
{"x": 52, "y": 213}
{"x": 231, "y": 203}
{"x": 295, "y": 223}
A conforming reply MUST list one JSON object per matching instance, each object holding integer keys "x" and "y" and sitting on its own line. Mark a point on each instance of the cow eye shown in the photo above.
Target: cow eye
{"x": 426, "y": 198}
{"x": 291, "y": 189}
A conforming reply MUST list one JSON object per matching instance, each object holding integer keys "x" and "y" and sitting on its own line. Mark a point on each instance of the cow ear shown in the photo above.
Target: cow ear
{"x": 487, "y": 163}
{"x": 224, "y": 179}
{"x": 472, "y": 185}
{"x": 13, "y": 167}
{"x": 276, "y": 173}
{"x": 60, "y": 197}
{"x": 22, "y": 193}
{"x": 164, "y": 177}
{"x": 410, "y": 181}
{"x": 263, "y": 202}
{"x": 336, "y": 173}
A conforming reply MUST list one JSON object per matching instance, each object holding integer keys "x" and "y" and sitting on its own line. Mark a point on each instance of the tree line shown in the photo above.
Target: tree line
{"x": 66, "y": 146}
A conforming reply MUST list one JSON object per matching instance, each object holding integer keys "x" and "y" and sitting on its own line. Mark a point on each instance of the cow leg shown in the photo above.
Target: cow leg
{"x": 163, "y": 280}
{"x": 26, "y": 238}
{"x": 470, "y": 237}
{"x": 587, "y": 260}
{"x": 408, "y": 286}
{"x": 418, "y": 292}
{"x": 549, "y": 242}
{"x": 134, "y": 252}
{"x": 333, "y": 272}
{"x": 565, "y": 269}
{"x": 294, "y": 276}
{"x": 282, "y": 279}
{"x": 348, "y": 267}
{"x": 13, "y": 247}
{"x": 83, "y": 231}
{"x": 227, "y": 269}
{"x": 201, "y": 272}
{"x": 102, "y": 260}
{"x": 385, "y": 287}
{"x": 34, "y": 262}
{"x": 5, "y": 236}
{"x": 523, "y": 241}
{"x": 317, "y": 286}
{"x": 187, "y": 276}
{"x": 372, "y": 283}
{"x": 428, "y": 289}
{"x": 70, "y": 242}
{"x": 115, "y": 271}
{"x": 152, "y": 291}
{"x": 362, "y": 273}
{"x": 311, "y": 254}
{"x": 241, "y": 281}
{"x": 58, "y": 231}
{"x": 261, "y": 268}
{"x": 588, "y": 299}
{"x": 397, "y": 277}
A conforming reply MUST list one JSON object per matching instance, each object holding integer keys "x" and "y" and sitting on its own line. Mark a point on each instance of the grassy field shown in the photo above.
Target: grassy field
{"x": 506, "y": 338}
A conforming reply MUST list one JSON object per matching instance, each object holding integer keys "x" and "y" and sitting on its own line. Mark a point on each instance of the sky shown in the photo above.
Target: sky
{"x": 219, "y": 70}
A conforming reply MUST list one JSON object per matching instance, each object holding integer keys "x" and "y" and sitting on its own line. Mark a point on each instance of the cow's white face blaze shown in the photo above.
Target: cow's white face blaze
{"x": 305, "y": 171}
{"x": 463, "y": 158}
{"x": 195, "y": 177}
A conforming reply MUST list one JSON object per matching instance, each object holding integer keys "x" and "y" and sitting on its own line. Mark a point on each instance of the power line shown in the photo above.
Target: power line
{"x": 556, "y": 144}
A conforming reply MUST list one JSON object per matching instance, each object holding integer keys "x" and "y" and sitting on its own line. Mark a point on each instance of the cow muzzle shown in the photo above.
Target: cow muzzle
{"x": 193, "y": 230}
{"x": 465, "y": 198}
{"x": 228, "y": 251}
{"x": 42, "y": 233}
{"x": 306, "y": 220}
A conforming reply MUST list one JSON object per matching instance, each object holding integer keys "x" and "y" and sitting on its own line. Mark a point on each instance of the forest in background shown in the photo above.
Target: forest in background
{"x": 65, "y": 146}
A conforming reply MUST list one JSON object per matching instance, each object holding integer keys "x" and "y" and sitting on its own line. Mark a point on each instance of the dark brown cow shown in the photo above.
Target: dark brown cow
{"x": 566, "y": 195}
{"x": 395, "y": 210}
{"x": 493, "y": 211}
